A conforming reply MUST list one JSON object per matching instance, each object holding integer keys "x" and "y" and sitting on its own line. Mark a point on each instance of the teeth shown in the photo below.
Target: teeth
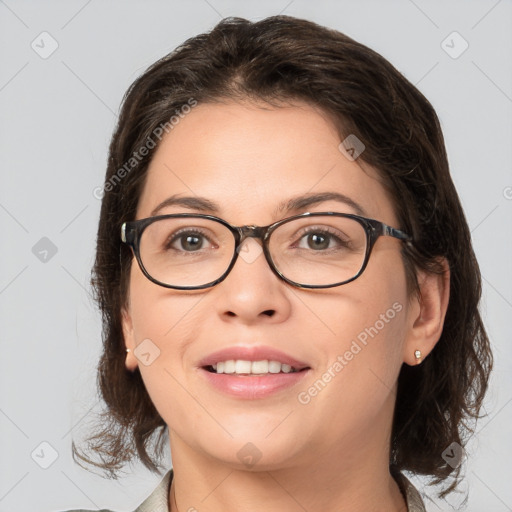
{"x": 241, "y": 366}
{"x": 259, "y": 367}
{"x": 274, "y": 366}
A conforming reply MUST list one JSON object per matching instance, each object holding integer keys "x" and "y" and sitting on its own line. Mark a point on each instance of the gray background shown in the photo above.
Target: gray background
{"x": 57, "y": 116}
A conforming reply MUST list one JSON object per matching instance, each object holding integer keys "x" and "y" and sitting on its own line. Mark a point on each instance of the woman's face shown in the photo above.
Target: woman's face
{"x": 248, "y": 160}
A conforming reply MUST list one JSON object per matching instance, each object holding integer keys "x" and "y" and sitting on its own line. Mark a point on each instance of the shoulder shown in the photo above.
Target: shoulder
{"x": 157, "y": 501}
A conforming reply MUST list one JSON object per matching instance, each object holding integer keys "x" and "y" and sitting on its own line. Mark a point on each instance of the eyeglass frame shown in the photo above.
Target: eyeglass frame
{"x": 131, "y": 233}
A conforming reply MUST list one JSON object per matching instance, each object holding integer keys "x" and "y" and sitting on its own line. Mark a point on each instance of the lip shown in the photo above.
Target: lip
{"x": 256, "y": 353}
{"x": 249, "y": 387}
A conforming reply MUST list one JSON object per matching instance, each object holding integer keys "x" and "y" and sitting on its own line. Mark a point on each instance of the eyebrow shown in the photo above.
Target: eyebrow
{"x": 306, "y": 200}
{"x": 294, "y": 204}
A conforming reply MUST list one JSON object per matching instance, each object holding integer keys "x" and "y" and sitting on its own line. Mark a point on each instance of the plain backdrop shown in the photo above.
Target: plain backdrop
{"x": 64, "y": 69}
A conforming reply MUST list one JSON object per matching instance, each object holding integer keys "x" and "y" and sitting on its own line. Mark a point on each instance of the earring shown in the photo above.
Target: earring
{"x": 127, "y": 350}
{"x": 417, "y": 355}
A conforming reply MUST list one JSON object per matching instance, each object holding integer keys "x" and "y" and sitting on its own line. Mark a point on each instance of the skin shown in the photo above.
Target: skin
{"x": 332, "y": 453}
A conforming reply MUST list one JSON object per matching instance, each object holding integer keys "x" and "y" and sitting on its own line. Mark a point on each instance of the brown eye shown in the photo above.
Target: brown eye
{"x": 188, "y": 241}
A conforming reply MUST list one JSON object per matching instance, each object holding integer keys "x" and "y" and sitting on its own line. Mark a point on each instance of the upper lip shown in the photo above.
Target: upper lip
{"x": 256, "y": 353}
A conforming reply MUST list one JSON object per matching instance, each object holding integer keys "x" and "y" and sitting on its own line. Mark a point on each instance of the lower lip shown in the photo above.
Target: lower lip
{"x": 253, "y": 387}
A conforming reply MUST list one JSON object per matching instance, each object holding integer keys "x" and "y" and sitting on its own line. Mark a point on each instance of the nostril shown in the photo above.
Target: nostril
{"x": 269, "y": 312}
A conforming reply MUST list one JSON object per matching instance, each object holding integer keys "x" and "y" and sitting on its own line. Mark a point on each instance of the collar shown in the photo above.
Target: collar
{"x": 410, "y": 493}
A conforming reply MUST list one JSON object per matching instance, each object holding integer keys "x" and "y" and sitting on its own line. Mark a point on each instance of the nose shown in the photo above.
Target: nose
{"x": 252, "y": 292}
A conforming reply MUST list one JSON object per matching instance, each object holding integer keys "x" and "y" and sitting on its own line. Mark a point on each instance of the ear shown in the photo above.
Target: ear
{"x": 129, "y": 339}
{"x": 427, "y": 313}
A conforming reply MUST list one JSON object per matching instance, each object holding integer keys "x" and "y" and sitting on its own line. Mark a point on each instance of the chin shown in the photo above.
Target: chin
{"x": 255, "y": 453}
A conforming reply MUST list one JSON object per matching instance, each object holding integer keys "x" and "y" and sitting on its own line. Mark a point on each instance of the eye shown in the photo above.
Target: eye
{"x": 188, "y": 240}
{"x": 320, "y": 239}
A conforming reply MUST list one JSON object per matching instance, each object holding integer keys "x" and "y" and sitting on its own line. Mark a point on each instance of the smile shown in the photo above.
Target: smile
{"x": 244, "y": 367}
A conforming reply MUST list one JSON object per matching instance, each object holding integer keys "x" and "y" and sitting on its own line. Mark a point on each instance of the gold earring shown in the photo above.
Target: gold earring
{"x": 417, "y": 355}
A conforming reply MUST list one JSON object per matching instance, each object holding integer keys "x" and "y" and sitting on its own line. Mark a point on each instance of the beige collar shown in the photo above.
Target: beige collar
{"x": 411, "y": 495}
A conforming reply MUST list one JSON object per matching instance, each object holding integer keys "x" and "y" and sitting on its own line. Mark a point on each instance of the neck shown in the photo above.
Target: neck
{"x": 330, "y": 482}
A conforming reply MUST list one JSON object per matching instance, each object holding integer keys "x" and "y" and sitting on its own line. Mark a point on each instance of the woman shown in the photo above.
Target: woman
{"x": 286, "y": 277}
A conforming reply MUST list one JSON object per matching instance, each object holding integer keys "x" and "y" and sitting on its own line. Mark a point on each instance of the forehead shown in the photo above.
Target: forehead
{"x": 248, "y": 158}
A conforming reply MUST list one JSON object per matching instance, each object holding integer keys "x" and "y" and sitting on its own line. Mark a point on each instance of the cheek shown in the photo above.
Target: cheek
{"x": 367, "y": 335}
{"x": 382, "y": 318}
{"x": 160, "y": 314}
{"x": 164, "y": 323}
{"x": 354, "y": 385}
{"x": 369, "y": 322}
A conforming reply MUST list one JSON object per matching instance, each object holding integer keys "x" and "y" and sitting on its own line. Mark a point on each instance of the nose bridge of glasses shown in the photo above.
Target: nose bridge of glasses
{"x": 250, "y": 251}
{"x": 251, "y": 232}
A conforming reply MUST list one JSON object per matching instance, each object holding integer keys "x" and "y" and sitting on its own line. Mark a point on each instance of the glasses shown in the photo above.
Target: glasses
{"x": 310, "y": 250}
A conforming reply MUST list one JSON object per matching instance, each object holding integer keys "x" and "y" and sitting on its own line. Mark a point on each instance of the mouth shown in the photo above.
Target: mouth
{"x": 245, "y": 368}
{"x": 250, "y": 380}
{"x": 252, "y": 372}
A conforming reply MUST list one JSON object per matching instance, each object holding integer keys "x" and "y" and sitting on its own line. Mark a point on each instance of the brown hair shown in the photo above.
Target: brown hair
{"x": 281, "y": 59}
